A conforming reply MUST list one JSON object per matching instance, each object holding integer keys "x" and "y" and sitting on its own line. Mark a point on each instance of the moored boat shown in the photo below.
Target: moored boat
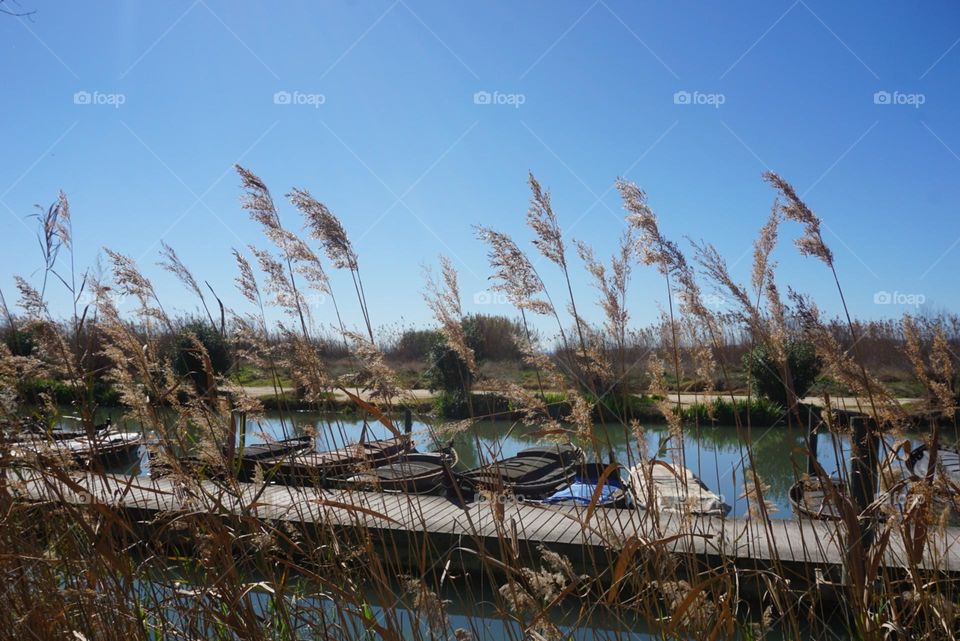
{"x": 104, "y": 448}
{"x": 658, "y": 485}
{"x": 817, "y": 498}
{"x": 948, "y": 463}
{"x": 316, "y": 468}
{"x": 250, "y": 456}
{"x": 245, "y": 463}
{"x": 533, "y": 474}
{"x": 413, "y": 472}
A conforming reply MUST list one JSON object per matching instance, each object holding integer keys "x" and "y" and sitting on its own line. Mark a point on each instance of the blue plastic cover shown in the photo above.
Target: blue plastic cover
{"x": 582, "y": 493}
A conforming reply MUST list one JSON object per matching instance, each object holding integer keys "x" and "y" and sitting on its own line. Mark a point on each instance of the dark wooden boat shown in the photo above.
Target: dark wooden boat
{"x": 587, "y": 476}
{"x": 816, "y": 498}
{"x": 533, "y": 474}
{"x": 316, "y": 469}
{"x": 267, "y": 455}
{"x": 245, "y": 463}
{"x": 414, "y": 472}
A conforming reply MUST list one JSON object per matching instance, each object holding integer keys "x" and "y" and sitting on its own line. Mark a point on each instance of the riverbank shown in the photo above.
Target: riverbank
{"x": 694, "y": 407}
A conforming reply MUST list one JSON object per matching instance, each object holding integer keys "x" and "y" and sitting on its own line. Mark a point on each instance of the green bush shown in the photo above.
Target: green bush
{"x": 188, "y": 362}
{"x": 451, "y": 405}
{"x": 766, "y": 373}
{"x": 30, "y": 391}
{"x": 758, "y": 412}
{"x": 493, "y": 338}
{"x": 415, "y": 344}
{"x": 18, "y": 341}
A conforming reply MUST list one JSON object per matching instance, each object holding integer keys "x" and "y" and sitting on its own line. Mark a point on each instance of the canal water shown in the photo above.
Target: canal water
{"x": 716, "y": 454}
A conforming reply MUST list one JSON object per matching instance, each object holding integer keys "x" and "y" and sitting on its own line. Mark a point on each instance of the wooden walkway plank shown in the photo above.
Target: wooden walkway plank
{"x": 806, "y": 542}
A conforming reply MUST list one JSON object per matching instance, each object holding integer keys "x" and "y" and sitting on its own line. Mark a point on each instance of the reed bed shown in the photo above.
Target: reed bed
{"x": 89, "y": 571}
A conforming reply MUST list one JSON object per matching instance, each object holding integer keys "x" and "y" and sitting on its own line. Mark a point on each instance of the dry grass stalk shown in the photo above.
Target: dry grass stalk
{"x": 443, "y": 299}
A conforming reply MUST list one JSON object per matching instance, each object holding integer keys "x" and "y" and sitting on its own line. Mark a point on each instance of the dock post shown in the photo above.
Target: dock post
{"x": 407, "y": 421}
{"x": 812, "y": 435}
{"x": 863, "y": 486}
{"x": 863, "y": 462}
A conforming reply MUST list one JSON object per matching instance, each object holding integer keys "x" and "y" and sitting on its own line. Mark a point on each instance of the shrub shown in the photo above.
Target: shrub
{"x": 758, "y": 412}
{"x": 494, "y": 338}
{"x": 189, "y": 362}
{"x": 18, "y": 341}
{"x": 415, "y": 344}
{"x": 766, "y": 373}
{"x": 448, "y": 372}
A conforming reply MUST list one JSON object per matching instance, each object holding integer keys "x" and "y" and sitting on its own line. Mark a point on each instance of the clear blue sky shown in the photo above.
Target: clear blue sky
{"x": 400, "y": 150}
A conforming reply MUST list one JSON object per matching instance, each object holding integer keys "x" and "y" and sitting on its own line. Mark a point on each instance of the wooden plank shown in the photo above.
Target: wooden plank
{"x": 780, "y": 541}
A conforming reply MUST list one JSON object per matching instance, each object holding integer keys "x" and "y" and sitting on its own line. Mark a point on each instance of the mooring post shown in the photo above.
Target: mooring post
{"x": 239, "y": 421}
{"x": 863, "y": 462}
{"x": 407, "y": 421}
{"x": 863, "y": 486}
{"x": 811, "y": 442}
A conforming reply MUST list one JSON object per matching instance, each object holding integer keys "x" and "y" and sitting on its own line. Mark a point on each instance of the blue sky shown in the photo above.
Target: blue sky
{"x": 383, "y": 124}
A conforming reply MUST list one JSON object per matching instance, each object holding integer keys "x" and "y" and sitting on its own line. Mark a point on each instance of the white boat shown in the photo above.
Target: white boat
{"x": 658, "y": 485}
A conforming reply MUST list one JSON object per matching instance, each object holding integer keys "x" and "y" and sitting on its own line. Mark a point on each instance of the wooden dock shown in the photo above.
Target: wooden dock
{"x": 807, "y": 552}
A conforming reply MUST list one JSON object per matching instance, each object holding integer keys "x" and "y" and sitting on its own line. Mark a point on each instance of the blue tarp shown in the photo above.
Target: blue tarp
{"x": 581, "y": 493}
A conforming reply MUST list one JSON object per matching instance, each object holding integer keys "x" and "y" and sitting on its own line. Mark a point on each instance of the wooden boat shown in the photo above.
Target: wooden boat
{"x": 246, "y": 461}
{"x": 581, "y": 491}
{"x": 414, "y": 472}
{"x": 533, "y": 474}
{"x": 658, "y": 485}
{"x": 259, "y": 453}
{"x": 105, "y": 448}
{"x": 816, "y": 498}
{"x": 317, "y": 468}
{"x": 948, "y": 463}
{"x": 946, "y": 494}
{"x": 33, "y": 430}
